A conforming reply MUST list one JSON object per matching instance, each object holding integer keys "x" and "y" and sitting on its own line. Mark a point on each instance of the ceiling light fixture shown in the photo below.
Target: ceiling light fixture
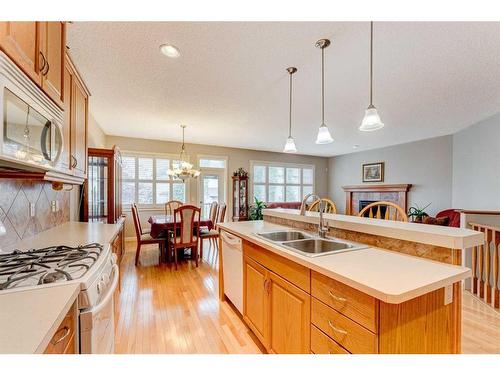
{"x": 324, "y": 136}
{"x": 183, "y": 169}
{"x": 371, "y": 121}
{"x": 290, "y": 142}
{"x": 170, "y": 51}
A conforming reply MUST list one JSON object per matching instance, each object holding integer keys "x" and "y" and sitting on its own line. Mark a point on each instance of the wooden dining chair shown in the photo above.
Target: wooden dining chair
{"x": 398, "y": 214}
{"x": 213, "y": 234}
{"x": 144, "y": 238}
{"x": 186, "y": 232}
{"x": 143, "y": 231}
{"x": 171, "y": 206}
{"x": 330, "y": 207}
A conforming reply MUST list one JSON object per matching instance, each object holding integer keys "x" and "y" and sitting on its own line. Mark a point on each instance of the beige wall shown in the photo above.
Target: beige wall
{"x": 236, "y": 158}
{"x": 96, "y": 137}
{"x": 427, "y": 165}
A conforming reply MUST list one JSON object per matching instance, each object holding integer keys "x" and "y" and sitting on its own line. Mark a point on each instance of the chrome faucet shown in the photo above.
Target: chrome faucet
{"x": 322, "y": 228}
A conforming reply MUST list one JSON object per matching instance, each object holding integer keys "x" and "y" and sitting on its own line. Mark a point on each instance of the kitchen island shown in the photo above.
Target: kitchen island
{"x": 366, "y": 301}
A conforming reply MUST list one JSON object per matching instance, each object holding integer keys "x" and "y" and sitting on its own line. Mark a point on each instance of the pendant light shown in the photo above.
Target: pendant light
{"x": 290, "y": 142}
{"x": 185, "y": 169}
{"x": 371, "y": 121}
{"x": 324, "y": 136}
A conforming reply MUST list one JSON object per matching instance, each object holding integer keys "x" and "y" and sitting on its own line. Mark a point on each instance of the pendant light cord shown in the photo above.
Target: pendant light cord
{"x": 371, "y": 64}
{"x": 322, "y": 86}
{"x": 290, "y": 110}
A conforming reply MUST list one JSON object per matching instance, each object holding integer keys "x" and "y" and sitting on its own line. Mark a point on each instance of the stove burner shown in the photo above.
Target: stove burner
{"x": 49, "y": 265}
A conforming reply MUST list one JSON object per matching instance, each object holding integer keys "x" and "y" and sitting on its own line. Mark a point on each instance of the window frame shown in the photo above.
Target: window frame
{"x": 285, "y": 166}
{"x": 152, "y": 155}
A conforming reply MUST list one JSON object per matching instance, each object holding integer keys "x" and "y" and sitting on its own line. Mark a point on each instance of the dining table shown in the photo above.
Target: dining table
{"x": 161, "y": 224}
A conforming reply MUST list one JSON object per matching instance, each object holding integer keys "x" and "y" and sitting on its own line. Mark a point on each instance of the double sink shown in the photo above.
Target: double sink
{"x": 309, "y": 245}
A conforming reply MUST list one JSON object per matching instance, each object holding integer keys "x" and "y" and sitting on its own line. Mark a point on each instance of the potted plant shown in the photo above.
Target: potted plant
{"x": 416, "y": 213}
{"x": 255, "y": 211}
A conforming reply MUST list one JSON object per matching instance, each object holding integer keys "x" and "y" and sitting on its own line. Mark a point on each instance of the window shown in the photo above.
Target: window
{"x": 146, "y": 181}
{"x": 212, "y": 162}
{"x": 274, "y": 182}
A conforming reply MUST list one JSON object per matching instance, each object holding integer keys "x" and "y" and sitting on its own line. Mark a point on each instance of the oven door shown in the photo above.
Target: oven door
{"x": 97, "y": 328}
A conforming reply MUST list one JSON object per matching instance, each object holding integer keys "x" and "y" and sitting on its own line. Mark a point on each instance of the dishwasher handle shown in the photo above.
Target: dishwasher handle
{"x": 231, "y": 240}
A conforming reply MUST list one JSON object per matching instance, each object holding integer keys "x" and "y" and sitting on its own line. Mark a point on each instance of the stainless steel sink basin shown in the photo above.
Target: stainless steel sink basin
{"x": 313, "y": 247}
{"x": 283, "y": 236}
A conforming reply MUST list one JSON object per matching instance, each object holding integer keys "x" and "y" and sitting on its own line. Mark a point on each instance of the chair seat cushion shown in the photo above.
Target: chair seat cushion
{"x": 147, "y": 237}
{"x": 210, "y": 233}
{"x": 146, "y": 231}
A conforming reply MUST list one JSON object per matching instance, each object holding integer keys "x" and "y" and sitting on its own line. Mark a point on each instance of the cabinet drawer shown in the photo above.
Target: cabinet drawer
{"x": 63, "y": 341}
{"x": 290, "y": 271}
{"x": 322, "y": 344}
{"x": 349, "y": 334}
{"x": 352, "y": 303}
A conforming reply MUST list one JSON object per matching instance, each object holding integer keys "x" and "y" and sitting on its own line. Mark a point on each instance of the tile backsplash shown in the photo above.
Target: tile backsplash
{"x": 30, "y": 207}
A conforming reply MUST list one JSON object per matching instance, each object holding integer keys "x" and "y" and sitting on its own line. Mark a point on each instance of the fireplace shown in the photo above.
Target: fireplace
{"x": 359, "y": 196}
{"x": 363, "y": 203}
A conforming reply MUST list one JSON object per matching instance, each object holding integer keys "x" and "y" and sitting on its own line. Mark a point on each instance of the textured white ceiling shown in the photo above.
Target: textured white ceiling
{"x": 230, "y": 85}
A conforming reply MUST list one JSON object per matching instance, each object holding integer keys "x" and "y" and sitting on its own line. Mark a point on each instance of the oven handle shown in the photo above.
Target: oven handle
{"x": 111, "y": 291}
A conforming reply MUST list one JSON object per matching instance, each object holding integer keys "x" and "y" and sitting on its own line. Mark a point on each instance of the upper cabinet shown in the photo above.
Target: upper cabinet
{"x": 20, "y": 41}
{"x": 52, "y": 47}
{"x": 38, "y": 49}
{"x": 78, "y": 119}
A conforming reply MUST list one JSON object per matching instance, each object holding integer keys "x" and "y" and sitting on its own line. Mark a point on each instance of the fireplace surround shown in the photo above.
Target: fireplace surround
{"x": 395, "y": 193}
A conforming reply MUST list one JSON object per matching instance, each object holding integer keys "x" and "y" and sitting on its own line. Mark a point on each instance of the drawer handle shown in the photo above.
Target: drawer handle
{"x": 66, "y": 334}
{"x": 335, "y": 329}
{"x": 337, "y": 298}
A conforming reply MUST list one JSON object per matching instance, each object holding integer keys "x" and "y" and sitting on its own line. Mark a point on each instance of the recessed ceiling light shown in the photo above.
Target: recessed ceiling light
{"x": 170, "y": 51}
{"x": 355, "y": 146}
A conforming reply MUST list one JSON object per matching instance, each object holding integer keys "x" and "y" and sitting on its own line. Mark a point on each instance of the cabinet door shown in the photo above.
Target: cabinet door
{"x": 290, "y": 317}
{"x": 79, "y": 128}
{"x": 19, "y": 40}
{"x": 68, "y": 79}
{"x": 52, "y": 46}
{"x": 255, "y": 299}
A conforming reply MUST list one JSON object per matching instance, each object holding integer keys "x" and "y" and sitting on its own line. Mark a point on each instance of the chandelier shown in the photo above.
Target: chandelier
{"x": 184, "y": 169}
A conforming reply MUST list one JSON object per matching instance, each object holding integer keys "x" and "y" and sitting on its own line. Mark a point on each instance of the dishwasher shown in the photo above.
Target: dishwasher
{"x": 232, "y": 263}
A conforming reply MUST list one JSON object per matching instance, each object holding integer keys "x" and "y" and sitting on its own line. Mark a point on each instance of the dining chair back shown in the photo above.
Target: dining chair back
{"x": 212, "y": 214}
{"x": 382, "y": 210}
{"x": 171, "y": 206}
{"x": 144, "y": 238}
{"x": 221, "y": 214}
{"x": 330, "y": 207}
{"x": 186, "y": 230}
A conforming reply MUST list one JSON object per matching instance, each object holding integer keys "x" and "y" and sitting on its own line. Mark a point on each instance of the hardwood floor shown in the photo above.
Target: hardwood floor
{"x": 160, "y": 310}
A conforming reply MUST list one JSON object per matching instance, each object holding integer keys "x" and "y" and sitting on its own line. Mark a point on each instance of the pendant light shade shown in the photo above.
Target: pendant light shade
{"x": 290, "y": 145}
{"x": 290, "y": 142}
{"x": 324, "y": 136}
{"x": 371, "y": 121}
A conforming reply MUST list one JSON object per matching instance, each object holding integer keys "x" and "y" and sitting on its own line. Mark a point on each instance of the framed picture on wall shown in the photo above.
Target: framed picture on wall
{"x": 373, "y": 172}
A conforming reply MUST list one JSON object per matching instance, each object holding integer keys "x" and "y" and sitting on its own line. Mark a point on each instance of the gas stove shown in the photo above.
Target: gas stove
{"x": 49, "y": 265}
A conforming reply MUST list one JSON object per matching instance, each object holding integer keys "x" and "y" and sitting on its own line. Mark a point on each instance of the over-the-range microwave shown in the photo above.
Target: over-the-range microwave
{"x": 31, "y": 123}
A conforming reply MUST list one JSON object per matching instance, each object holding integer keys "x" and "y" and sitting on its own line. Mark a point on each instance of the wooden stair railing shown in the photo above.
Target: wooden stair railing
{"x": 485, "y": 266}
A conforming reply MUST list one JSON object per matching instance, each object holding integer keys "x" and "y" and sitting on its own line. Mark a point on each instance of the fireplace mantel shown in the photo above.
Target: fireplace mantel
{"x": 396, "y": 193}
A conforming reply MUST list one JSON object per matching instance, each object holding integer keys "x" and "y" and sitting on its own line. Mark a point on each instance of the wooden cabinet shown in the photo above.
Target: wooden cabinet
{"x": 38, "y": 49}
{"x": 65, "y": 339}
{"x": 52, "y": 47}
{"x": 77, "y": 117}
{"x": 255, "y": 299}
{"x": 292, "y": 309}
{"x": 20, "y": 41}
{"x": 289, "y": 317}
{"x": 277, "y": 311}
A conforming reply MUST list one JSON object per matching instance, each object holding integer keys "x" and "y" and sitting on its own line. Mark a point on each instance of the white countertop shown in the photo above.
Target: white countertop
{"x": 72, "y": 233}
{"x": 436, "y": 235}
{"x": 29, "y": 319}
{"x": 386, "y": 275}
